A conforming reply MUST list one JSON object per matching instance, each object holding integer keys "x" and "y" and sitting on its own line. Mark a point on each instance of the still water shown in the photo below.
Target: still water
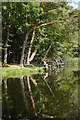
{"x": 42, "y": 96}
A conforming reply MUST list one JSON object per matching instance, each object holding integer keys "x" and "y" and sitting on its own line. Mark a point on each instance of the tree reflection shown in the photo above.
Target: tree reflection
{"x": 45, "y": 96}
{"x": 33, "y": 103}
{"x": 47, "y": 85}
{"x": 23, "y": 92}
{"x": 58, "y": 101}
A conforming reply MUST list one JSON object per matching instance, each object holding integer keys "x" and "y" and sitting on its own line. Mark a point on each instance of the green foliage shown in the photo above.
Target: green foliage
{"x": 34, "y": 11}
{"x": 19, "y": 18}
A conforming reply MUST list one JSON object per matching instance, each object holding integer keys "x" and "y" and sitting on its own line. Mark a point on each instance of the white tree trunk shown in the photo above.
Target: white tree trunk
{"x": 29, "y": 52}
{"x": 5, "y": 51}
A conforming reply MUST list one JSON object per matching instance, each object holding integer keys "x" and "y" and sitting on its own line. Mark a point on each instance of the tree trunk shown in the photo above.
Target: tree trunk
{"x": 5, "y": 51}
{"x": 24, "y": 43}
{"x": 44, "y": 24}
{"x": 45, "y": 115}
{"x": 23, "y": 49}
{"x": 5, "y": 56}
{"x": 35, "y": 51}
{"x": 29, "y": 52}
{"x": 47, "y": 51}
{"x": 33, "y": 55}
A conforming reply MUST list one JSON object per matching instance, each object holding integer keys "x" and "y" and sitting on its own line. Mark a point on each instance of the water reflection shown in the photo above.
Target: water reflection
{"x": 39, "y": 97}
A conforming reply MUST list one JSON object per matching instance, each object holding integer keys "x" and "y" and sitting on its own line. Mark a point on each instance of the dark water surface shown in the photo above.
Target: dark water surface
{"x": 39, "y": 97}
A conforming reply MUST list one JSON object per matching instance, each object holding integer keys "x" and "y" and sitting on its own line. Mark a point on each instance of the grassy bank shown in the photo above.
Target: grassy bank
{"x": 71, "y": 61}
{"x": 16, "y": 71}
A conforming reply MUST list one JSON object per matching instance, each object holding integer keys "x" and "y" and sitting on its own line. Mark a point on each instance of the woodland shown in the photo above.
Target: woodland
{"x": 36, "y": 31}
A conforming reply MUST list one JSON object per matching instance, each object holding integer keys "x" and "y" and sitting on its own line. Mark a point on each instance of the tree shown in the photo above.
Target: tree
{"x": 46, "y": 22}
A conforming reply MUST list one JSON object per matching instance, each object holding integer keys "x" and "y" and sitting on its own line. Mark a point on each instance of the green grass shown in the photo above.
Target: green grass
{"x": 14, "y": 72}
{"x": 71, "y": 61}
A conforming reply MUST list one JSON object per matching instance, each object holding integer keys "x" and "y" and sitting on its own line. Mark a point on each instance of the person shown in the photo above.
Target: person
{"x": 52, "y": 66}
{"x": 48, "y": 62}
{"x": 56, "y": 62}
{"x": 61, "y": 63}
{"x": 45, "y": 76}
{"x": 49, "y": 69}
{"x": 45, "y": 65}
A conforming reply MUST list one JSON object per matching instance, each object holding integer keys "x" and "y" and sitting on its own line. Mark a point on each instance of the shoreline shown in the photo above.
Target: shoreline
{"x": 17, "y": 71}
